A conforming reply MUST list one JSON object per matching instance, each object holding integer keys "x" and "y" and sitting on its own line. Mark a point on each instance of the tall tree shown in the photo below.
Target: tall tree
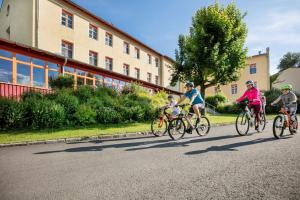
{"x": 213, "y": 52}
{"x": 289, "y": 60}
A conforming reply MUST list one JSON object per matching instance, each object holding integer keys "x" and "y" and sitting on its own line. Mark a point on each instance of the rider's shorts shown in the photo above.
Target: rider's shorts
{"x": 199, "y": 105}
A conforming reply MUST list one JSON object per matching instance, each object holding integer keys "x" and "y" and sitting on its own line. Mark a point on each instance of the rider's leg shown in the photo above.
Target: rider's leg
{"x": 197, "y": 111}
{"x": 257, "y": 110}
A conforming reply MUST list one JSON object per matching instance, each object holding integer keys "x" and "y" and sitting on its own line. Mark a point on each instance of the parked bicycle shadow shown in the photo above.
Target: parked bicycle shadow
{"x": 231, "y": 147}
{"x": 185, "y": 142}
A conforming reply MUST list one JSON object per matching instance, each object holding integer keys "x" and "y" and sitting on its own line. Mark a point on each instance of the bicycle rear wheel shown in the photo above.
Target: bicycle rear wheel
{"x": 242, "y": 124}
{"x": 263, "y": 122}
{"x": 176, "y": 129}
{"x": 278, "y": 126}
{"x": 294, "y": 130}
{"x": 203, "y": 127}
{"x": 159, "y": 127}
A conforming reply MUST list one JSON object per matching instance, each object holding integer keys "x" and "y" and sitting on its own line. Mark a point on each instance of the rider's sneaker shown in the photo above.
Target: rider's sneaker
{"x": 257, "y": 129}
{"x": 189, "y": 130}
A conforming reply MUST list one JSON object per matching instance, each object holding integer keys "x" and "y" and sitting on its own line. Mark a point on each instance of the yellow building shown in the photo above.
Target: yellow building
{"x": 288, "y": 76}
{"x": 256, "y": 69}
{"x": 62, "y": 27}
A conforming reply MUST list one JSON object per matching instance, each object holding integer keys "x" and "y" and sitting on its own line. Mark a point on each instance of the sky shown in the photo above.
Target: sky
{"x": 157, "y": 23}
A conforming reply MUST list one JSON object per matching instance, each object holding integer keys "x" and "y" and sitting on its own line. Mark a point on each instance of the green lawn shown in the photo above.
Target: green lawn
{"x": 36, "y": 135}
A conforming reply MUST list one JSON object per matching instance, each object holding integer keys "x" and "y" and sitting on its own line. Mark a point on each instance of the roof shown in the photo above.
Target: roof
{"x": 42, "y": 54}
{"x": 81, "y": 9}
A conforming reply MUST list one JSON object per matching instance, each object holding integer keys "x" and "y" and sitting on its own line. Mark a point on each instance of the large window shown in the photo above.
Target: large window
{"x": 67, "y": 49}
{"x": 93, "y": 32}
{"x": 137, "y": 73}
{"x": 126, "y": 69}
{"x": 253, "y": 69}
{"x": 109, "y": 63}
{"x": 234, "y": 89}
{"x": 109, "y": 39}
{"x": 23, "y": 74}
{"x": 67, "y": 19}
{"x": 116, "y": 84}
{"x": 99, "y": 81}
{"x": 108, "y": 82}
{"x": 5, "y": 54}
{"x": 137, "y": 53}
{"x": 126, "y": 48}
{"x": 5, "y": 71}
{"x": 39, "y": 77}
{"x": 93, "y": 58}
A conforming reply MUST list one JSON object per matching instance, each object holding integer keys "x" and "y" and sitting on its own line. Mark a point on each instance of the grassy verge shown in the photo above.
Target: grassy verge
{"x": 36, "y": 135}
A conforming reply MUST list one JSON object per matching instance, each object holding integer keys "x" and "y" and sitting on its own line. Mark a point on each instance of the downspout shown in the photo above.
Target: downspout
{"x": 36, "y": 29}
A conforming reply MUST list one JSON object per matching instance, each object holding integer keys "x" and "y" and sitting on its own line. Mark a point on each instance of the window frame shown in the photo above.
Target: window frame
{"x": 109, "y": 41}
{"x": 126, "y": 69}
{"x": 156, "y": 62}
{"x": 95, "y": 58}
{"x": 67, "y": 43}
{"x": 253, "y": 67}
{"x": 149, "y": 59}
{"x": 93, "y": 29}
{"x": 67, "y": 18}
{"x": 149, "y": 77}
{"x": 234, "y": 89}
{"x": 126, "y": 48}
{"x": 137, "y": 73}
{"x": 137, "y": 53}
{"x": 111, "y": 63}
{"x": 157, "y": 80}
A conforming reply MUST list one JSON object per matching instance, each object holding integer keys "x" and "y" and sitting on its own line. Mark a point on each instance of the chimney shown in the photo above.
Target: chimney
{"x": 268, "y": 50}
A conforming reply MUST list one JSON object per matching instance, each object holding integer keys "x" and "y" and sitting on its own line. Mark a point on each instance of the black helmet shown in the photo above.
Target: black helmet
{"x": 250, "y": 82}
{"x": 189, "y": 84}
{"x": 170, "y": 96}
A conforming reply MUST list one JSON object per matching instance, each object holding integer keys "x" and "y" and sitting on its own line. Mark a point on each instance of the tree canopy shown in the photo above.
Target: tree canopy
{"x": 289, "y": 60}
{"x": 213, "y": 52}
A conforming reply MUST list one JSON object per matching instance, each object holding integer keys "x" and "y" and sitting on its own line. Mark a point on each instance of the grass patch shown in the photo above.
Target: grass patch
{"x": 95, "y": 130}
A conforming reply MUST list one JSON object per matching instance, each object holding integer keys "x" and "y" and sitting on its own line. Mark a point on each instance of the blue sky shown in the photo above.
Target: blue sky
{"x": 271, "y": 23}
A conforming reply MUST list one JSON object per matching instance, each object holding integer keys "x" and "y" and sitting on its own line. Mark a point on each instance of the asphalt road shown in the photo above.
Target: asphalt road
{"x": 219, "y": 166}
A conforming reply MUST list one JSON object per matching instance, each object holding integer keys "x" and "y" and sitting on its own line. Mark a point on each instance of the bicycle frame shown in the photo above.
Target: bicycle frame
{"x": 284, "y": 112}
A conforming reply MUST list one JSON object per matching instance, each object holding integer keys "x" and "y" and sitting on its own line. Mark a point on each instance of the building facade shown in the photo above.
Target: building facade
{"x": 288, "y": 76}
{"x": 61, "y": 27}
{"x": 257, "y": 69}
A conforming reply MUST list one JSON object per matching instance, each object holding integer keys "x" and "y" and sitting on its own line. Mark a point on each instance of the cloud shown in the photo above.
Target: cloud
{"x": 280, "y": 27}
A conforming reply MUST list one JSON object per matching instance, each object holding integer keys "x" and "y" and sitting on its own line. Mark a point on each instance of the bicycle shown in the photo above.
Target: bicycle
{"x": 246, "y": 119}
{"x": 159, "y": 125}
{"x": 177, "y": 127}
{"x": 282, "y": 121}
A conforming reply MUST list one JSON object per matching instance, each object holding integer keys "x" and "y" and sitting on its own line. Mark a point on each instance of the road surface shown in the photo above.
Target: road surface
{"x": 219, "y": 166}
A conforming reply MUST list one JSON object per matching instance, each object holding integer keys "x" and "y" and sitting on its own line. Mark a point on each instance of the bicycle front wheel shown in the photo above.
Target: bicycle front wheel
{"x": 176, "y": 129}
{"x": 242, "y": 124}
{"x": 278, "y": 126}
{"x": 159, "y": 127}
{"x": 203, "y": 127}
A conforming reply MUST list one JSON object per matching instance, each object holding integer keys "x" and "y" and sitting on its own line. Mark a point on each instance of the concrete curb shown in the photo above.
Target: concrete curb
{"x": 90, "y": 138}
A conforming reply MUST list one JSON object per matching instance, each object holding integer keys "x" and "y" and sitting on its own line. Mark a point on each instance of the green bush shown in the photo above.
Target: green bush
{"x": 84, "y": 93}
{"x": 70, "y": 104}
{"x": 106, "y": 115}
{"x": 61, "y": 82}
{"x": 85, "y": 115}
{"x": 44, "y": 114}
{"x": 216, "y": 100}
{"x": 32, "y": 95}
{"x": 11, "y": 114}
{"x": 95, "y": 103}
{"x": 229, "y": 109}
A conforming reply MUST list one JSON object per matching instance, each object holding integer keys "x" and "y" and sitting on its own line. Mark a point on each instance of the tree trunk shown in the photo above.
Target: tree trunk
{"x": 202, "y": 91}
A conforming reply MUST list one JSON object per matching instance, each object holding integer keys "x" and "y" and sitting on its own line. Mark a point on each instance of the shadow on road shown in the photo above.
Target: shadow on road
{"x": 183, "y": 143}
{"x": 230, "y": 147}
{"x": 162, "y": 143}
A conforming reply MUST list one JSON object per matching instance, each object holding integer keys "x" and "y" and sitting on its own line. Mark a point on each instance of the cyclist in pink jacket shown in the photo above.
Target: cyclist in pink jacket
{"x": 253, "y": 96}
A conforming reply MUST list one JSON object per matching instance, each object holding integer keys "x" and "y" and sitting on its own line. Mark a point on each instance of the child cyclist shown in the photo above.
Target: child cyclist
{"x": 289, "y": 102}
{"x": 253, "y": 95}
{"x": 172, "y": 104}
{"x": 196, "y": 103}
